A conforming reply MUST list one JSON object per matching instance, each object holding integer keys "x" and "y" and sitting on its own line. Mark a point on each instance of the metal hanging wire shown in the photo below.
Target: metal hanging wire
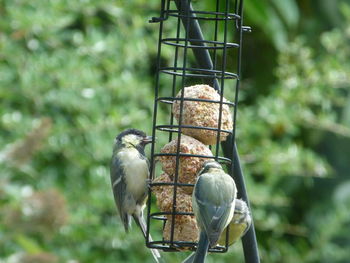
{"x": 208, "y": 65}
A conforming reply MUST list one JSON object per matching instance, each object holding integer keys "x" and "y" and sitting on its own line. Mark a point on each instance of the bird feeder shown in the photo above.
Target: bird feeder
{"x": 199, "y": 89}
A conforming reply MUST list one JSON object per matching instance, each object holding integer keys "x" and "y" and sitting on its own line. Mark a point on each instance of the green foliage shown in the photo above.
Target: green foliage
{"x": 285, "y": 128}
{"x": 64, "y": 69}
{"x": 76, "y": 73}
{"x": 275, "y": 18}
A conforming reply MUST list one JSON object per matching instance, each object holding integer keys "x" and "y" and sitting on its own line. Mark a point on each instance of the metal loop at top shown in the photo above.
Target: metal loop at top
{"x": 204, "y": 15}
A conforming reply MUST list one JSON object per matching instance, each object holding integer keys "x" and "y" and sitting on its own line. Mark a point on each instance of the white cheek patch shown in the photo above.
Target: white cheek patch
{"x": 132, "y": 139}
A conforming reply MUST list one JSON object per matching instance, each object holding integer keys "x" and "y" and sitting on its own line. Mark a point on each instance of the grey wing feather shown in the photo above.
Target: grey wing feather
{"x": 205, "y": 210}
{"x": 213, "y": 218}
{"x": 218, "y": 224}
{"x": 206, "y": 213}
{"x": 119, "y": 188}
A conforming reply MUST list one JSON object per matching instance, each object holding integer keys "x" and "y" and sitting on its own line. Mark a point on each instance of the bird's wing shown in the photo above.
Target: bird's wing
{"x": 119, "y": 188}
{"x": 213, "y": 218}
{"x": 206, "y": 210}
{"x": 218, "y": 223}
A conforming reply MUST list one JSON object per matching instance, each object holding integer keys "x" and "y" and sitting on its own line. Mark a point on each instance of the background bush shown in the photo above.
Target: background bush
{"x": 73, "y": 74}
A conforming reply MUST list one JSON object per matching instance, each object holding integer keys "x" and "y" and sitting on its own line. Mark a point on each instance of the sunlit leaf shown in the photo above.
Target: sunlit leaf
{"x": 288, "y": 10}
{"x": 28, "y": 244}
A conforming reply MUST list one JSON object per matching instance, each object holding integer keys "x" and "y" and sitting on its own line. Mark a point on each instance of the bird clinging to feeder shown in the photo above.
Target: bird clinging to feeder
{"x": 213, "y": 202}
{"x": 129, "y": 174}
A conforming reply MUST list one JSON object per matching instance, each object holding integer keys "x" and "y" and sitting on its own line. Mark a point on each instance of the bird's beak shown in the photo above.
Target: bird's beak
{"x": 147, "y": 139}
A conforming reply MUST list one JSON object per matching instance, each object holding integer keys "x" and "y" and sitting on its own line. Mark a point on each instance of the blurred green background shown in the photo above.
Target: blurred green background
{"x": 73, "y": 74}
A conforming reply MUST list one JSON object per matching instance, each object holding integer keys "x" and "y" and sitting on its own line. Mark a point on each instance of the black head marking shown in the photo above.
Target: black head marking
{"x": 130, "y": 131}
{"x": 132, "y": 138}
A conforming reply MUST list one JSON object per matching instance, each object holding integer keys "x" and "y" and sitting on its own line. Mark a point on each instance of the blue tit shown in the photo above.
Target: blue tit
{"x": 213, "y": 202}
{"x": 129, "y": 177}
{"x": 239, "y": 225}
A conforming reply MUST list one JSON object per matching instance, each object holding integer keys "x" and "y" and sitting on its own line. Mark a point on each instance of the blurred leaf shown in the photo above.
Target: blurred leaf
{"x": 28, "y": 244}
{"x": 268, "y": 20}
{"x": 345, "y": 9}
{"x": 288, "y": 10}
{"x": 257, "y": 11}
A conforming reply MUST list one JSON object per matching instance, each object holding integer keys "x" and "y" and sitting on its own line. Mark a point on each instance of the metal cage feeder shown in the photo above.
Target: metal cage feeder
{"x": 198, "y": 59}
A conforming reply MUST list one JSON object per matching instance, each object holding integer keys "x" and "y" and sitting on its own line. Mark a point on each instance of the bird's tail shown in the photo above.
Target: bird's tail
{"x": 202, "y": 249}
{"x": 190, "y": 258}
{"x": 140, "y": 221}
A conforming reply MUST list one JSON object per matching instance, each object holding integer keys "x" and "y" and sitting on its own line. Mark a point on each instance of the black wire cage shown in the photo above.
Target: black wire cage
{"x": 197, "y": 58}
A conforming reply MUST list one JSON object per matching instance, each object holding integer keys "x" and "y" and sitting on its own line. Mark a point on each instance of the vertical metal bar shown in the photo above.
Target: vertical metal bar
{"x": 180, "y": 124}
{"x": 155, "y": 109}
{"x": 223, "y": 70}
{"x": 216, "y": 35}
{"x": 174, "y": 77}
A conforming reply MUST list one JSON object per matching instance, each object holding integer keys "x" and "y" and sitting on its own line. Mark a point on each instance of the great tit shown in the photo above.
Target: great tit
{"x": 239, "y": 225}
{"x": 213, "y": 202}
{"x": 129, "y": 171}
